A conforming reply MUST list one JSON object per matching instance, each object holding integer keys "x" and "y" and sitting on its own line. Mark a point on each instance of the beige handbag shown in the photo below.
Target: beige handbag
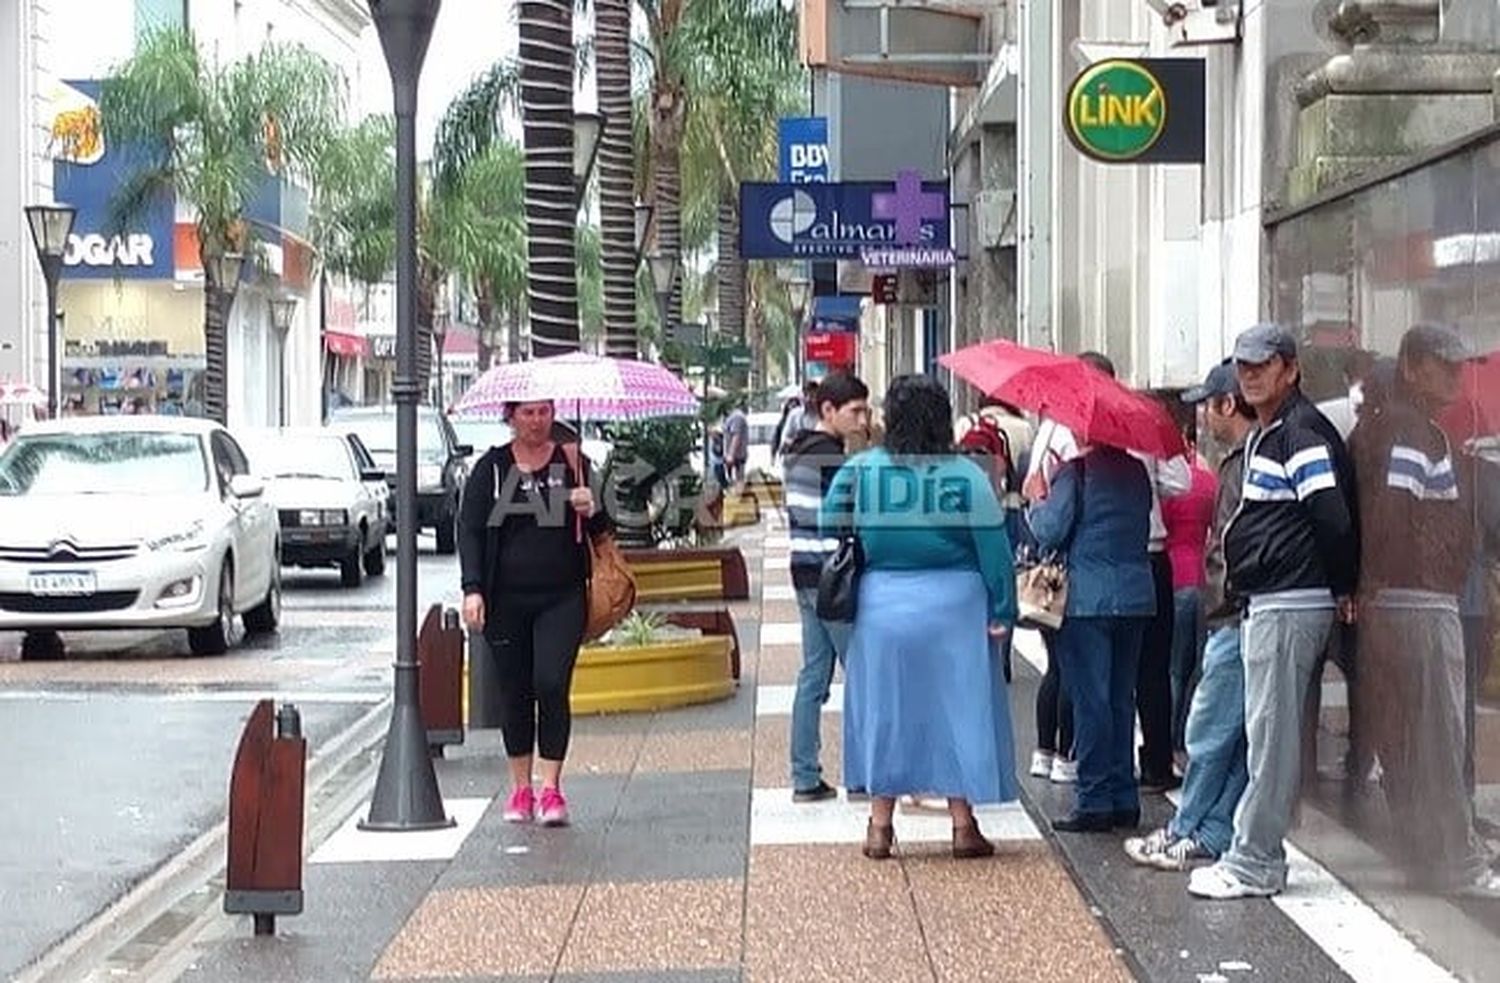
{"x": 1042, "y": 594}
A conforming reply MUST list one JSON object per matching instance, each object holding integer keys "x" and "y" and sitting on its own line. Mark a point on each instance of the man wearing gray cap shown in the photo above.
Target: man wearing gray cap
{"x": 1417, "y": 512}
{"x": 1216, "y": 772}
{"x": 1292, "y": 549}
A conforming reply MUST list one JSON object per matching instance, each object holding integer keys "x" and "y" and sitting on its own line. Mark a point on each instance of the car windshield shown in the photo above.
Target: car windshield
{"x": 300, "y": 457}
{"x": 104, "y": 464}
{"x": 378, "y": 434}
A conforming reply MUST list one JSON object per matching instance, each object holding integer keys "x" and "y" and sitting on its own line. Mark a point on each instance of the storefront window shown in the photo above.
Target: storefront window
{"x": 1402, "y": 771}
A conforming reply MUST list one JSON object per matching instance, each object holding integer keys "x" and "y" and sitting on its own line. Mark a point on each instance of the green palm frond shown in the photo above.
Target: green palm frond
{"x": 473, "y": 120}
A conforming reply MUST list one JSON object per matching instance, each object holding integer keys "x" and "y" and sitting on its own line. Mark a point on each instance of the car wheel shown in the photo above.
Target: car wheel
{"x": 375, "y": 558}
{"x": 42, "y": 646}
{"x": 447, "y": 534}
{"x": 351, "y": 573}
{"x": 266, "y": 618}
{"x": 219, "y": 637}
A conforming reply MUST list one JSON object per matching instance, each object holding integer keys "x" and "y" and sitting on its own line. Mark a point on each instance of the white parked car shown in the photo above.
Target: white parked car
{"x": 330, "y": 497}
{"x": 135, "y": 522}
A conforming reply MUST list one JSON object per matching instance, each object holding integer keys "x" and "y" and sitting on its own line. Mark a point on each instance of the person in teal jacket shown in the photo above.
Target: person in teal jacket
{"x": 926, "y": 704}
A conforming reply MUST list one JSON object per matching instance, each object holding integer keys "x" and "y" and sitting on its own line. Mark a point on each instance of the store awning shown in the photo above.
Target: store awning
{"x": 344, "y": 344}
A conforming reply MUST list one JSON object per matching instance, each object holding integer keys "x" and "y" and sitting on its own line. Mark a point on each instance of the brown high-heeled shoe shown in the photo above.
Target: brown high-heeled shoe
{"x": 879, "y": 840}
{"x": 970, "y": 844}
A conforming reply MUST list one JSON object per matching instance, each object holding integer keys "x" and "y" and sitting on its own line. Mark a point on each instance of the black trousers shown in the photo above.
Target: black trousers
{"x": 535, "y": 639}
{"x": 1153, "y": 684}
{"x": 1054, "y": 711}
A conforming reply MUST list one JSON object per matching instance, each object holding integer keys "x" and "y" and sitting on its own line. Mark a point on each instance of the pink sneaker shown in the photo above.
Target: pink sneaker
{"x": 554, "y": 810}
{"x": 521, "y": 806}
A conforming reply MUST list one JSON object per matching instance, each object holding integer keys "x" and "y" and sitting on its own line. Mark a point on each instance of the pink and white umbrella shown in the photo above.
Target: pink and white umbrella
{"x": 21, "y": 394}
{"x": 583, "y": 387}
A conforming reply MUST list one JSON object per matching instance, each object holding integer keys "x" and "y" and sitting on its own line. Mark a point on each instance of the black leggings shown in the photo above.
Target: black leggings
{"x": 535, "y": 639}
{"x": 1054, "y": 711}
{"x": 1153, "y": 687}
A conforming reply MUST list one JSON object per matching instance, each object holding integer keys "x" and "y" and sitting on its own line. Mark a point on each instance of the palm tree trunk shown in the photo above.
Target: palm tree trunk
{"x": 668, "y": 111}
{"x": 551, "y": 201}
{"x": 616, "y": 176}
{"x": 216, "y": 305}
{"x": 485, "y": 309}
{"x": 426, "y": 302}
{"x": 730, "y": 271}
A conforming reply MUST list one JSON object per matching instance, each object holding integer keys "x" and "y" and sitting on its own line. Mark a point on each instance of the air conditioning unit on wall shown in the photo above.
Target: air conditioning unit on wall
{"x": 995, "y": 218}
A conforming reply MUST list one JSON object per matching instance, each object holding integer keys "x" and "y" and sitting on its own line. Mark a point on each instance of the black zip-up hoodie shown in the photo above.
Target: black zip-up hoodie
{"x": 1297, "y": 527}
{"x": 808, "y": 469}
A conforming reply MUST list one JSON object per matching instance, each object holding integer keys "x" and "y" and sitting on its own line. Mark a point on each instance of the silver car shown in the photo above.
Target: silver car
{"x": 330, "y": 497}
{"x": 135, "y": 522}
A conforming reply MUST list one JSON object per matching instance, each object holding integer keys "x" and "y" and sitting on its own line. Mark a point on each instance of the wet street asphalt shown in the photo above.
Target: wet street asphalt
{"x": 118, "y": 756}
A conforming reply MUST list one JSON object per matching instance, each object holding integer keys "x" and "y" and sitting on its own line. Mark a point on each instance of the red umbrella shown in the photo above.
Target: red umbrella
{"x": 1098, "y": 409}
{"x": 1477, "y": 411}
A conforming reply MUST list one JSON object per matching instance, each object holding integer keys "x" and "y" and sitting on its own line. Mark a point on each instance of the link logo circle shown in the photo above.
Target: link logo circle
{"x": 1117, "y": 111}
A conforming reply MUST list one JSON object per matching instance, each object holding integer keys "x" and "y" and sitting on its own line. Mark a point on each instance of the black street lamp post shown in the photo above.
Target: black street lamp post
{"x": 406, "y": 792}
{"x": 50, "y": 227}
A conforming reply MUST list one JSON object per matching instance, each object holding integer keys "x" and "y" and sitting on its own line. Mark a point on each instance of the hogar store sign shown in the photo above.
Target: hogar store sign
{"x": 88, "y": 173}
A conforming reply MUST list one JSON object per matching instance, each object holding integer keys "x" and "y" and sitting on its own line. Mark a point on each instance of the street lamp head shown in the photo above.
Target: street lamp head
{"x": 226, "y": 269}
{"x": 50, "y": 227}
{"x": 799, "y": 292}
{"x": 663, "y": 272}
{"x": 405, "y": 29}
{"x": 282, "y": 311}
{"x": 587, "y": 128}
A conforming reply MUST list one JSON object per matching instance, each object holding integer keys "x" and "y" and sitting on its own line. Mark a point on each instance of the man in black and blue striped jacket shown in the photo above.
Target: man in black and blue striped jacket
{"x": 842, "y": 409}
{"x": 1292, "y": 549}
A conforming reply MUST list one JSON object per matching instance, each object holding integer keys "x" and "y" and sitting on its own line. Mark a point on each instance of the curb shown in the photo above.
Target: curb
{"x": 188, "y": 871}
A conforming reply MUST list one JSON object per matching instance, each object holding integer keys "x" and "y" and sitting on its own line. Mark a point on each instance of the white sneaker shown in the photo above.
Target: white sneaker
{"x": 1041, "y": 764}
{"x": 1183, "y": 854}
{"x": 1064, "y": 771}
{"x": 1144, "y": 849}
{"x": 1218, "y": 883}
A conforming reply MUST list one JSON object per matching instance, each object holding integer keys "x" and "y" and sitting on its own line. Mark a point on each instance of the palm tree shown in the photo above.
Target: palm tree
{"x": 214, "y": 134}
{"x": 476, "y": 229}
{"x": 612, "y": 67}
{"x": 546, "y": 28}
{"x": 668, "y": 118}
{"x": 730, "y": 68}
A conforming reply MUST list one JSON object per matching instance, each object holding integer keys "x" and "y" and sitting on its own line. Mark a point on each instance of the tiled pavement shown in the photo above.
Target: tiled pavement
{"x": 686, "y": 862}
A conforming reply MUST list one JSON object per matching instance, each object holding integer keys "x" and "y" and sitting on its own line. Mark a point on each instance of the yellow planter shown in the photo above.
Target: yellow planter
{"x": 673, "y": 673}
{"x": 740, "y": 510}
{"x": 679, "y": 580}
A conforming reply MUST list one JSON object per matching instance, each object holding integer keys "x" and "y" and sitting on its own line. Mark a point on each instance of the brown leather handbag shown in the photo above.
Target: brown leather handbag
{"x": 611, "y": 586}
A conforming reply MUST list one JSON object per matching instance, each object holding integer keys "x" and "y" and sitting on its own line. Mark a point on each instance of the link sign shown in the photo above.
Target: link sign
{"x": 1138, "y": 111}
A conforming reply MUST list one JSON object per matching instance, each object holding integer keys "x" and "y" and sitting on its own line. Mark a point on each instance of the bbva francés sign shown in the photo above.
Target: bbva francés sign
{"x": 1138, "y": 111}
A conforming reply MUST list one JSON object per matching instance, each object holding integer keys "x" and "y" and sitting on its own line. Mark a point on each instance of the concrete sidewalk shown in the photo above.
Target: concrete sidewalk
{"x": 687, "y": 861}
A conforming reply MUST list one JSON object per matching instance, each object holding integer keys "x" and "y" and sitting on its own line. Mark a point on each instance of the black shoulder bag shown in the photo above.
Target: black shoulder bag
{"x": 838, "y": 581}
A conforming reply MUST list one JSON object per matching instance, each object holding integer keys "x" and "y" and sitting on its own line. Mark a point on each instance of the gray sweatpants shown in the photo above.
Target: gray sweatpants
{"x": 1412, "y": 642}
{"x": 1281, "y": 648}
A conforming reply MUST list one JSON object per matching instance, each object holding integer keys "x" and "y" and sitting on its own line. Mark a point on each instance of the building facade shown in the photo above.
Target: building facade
{"x": 131, "y": 300}
{"x": 26, "y": 51}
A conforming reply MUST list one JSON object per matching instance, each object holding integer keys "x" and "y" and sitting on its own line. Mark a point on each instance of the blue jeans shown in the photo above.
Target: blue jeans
{"x": 822, "y": 643}
{"x": 1186, "y": 642}
{"x": 1100, "y": 658}
{"x": 1217, "y": 773}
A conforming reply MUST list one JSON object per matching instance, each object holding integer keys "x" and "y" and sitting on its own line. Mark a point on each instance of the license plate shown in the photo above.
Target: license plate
{"x": 63, "y": 583}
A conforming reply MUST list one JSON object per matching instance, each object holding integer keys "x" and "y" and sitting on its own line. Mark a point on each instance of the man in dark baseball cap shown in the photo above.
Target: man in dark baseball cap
{"x": 1260, "y": 344}
{"x": 1217, "y": 771}
{"x": 1219, "y": 382}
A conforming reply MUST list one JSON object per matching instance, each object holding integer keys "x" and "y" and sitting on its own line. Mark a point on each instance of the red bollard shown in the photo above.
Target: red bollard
{"x": 266, "y": 791}
{"x": 440, "y": 649}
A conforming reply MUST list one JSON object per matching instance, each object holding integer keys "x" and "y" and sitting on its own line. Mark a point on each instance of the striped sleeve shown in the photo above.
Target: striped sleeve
{"x": 1310, "y": 471}
{"x": 1425, "y": 479}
